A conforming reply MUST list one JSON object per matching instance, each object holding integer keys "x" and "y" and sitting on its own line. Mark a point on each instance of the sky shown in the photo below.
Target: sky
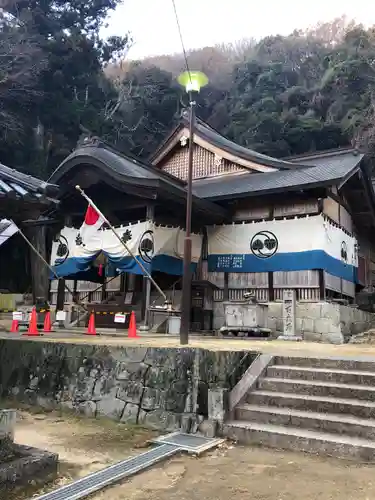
{"x": 208, "y": 22}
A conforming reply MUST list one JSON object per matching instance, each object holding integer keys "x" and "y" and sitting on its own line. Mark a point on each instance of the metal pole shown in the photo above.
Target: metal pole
{"x": 49, "y": 267}
{"x": 186, "y": 280}
{"x": 122, "y": 242}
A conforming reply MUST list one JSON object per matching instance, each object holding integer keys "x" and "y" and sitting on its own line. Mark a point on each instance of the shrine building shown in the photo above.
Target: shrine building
{"x": 260, "y": 224}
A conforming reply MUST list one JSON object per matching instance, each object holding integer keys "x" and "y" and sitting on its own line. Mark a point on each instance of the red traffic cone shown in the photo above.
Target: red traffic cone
{"x": 91, "y": 330}
{"x": 47, "y": 323}
{"x": 33, "y": 328}
{"x": 132, "y": 332}
{"x": 14, "y": 327}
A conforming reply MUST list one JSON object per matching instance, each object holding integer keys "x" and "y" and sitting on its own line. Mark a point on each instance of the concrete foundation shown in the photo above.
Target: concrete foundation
{"x": 322, "y": 321}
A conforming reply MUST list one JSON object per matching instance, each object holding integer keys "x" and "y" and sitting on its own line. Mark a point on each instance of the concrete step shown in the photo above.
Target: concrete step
{"x": 366, "y": 364}
{"x": 326, "y": 404}
{"x": 323, "y": 374}
{"x": 292, "y": 438}
{"x": 325, "y": 422}
{"x": 316, "y": 388}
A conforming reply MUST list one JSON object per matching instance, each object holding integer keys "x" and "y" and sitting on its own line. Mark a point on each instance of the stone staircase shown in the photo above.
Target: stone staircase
{"x": 323, "y": 406}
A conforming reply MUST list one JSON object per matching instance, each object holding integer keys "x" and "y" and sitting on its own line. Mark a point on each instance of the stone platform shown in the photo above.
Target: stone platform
{"x": 21, "y": 464}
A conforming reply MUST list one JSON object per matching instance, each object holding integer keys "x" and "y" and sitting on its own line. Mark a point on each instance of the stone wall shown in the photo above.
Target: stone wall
{"x": 7, "y": 423}
{"x": 155, "y": 387}
{"x": 323, "y": 321}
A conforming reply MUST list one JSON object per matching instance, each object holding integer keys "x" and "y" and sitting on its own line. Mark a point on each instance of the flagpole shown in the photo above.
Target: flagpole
{"x": 89, "y": 200}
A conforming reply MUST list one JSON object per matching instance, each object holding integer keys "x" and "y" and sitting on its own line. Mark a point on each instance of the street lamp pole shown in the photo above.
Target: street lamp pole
{"x": 192, "y": 81}
{"x": 186, "y": 279}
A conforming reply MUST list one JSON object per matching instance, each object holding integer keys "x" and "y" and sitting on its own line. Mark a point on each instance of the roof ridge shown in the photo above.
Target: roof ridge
{"x": 98, "y": 142}
{"x": 323, "y": 153}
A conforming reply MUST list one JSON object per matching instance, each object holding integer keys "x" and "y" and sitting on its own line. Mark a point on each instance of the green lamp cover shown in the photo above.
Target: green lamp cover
{"x": 193, "y": 81}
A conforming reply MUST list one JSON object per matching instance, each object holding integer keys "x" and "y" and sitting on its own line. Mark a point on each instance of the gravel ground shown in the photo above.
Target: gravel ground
{"x": 230, "y": 472}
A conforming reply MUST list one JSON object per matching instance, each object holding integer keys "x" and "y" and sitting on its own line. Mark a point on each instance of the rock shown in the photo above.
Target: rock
{"x": 367, "y": 337}
{"x": 218, "y": 404}
{"x": 208, "y": 428}
{"x": 88, "y": 408}
{"x": 130, "y": 413}
{"x": 135, "y": 354}
{"x": 106, "y": 386}
{"x": 153, "y": 399}
{"x": 158, "y": 376}
{"x": 83, "y": 390}
{"x": 131, "y": 393}
{"x": 131, "y": 371}
{"x": 111, "y": 408}
{"x": 186, "y": 423}
{"x": 160, "y": 419}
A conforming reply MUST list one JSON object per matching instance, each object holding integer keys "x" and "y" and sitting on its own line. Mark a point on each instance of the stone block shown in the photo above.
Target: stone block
{"x": 299, "y": 325}
{"x": 331, "y": 312}
{"x": 175, "y": 402}
{"x": 161, "y": 419}
{"x": 186, "y": 422}
{"x": 312, "y": 336}
{"x": 218, "y": 404}
{"x": 83, "y": 389}
{"x": 325, "y": 326}
{"x": 307, "y": 325}
{"x": 111, "y": 408}
{"x": 131, "y": 393}
{"x": 130, "y": 413}
{"x": 208, "y": 428}
{"x": 279, "y": 325}
{"x": 131, "y": 371}
{"x": 105, "y": 387}
{"x": 88, "y": 408}
{"x": 159, "y": 377}
{"x": 308, "y": 310}
{"x": 272, "y": 324}
{"x": 152, "y": 399}
{"x": 133, "y": 354}
{"x": 333, "y": 338}
{"x": 275, "y": 309}
{"x": 7, "y": 423}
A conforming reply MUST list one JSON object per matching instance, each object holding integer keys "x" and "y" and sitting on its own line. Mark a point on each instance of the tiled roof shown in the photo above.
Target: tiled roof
{"x": 20, "y": 186}
{"x": 328, "y": 172}
{"x": 127, "y": 170}
{"x": 207, "y": 133}
{"x": 213, "y": 137}
{"x": 125, "y": 166}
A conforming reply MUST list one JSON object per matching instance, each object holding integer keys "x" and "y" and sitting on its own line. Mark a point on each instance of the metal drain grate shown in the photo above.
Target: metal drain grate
{"x": 192, "y": 443}
{"x": 99, "y": 480}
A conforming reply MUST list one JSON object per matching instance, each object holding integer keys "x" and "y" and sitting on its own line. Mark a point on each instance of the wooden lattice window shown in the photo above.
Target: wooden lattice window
{"x": 205, "y": 164}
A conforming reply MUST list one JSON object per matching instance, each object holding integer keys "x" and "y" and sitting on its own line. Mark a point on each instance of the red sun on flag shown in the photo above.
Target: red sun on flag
{"x": 91, "y": 216}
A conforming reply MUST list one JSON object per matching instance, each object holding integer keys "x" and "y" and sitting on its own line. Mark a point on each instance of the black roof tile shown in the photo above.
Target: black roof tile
{"x": 17, "y": 185}
{"x": 248, "y": 184}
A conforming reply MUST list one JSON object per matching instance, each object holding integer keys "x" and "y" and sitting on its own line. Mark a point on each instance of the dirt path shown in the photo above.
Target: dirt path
{"x": 231, "y": 472}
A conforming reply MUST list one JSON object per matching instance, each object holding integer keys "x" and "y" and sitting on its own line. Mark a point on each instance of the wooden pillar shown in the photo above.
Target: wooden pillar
{"x": 60, "y": 301}
{"x": 322, "y": 288}
{"x": 271, "y": 290}
{"x": 146, "y": 285}
{"x": 104, "y": 290}
{"x": 226, "y": 287}
{"x": 39, "y": 271}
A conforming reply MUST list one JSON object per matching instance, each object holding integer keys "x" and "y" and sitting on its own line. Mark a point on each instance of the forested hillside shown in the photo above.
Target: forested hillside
{"x": 281, "y": 96}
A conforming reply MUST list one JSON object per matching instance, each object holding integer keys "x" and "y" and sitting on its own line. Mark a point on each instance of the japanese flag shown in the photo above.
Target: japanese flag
{"x": 90, "y": 227}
